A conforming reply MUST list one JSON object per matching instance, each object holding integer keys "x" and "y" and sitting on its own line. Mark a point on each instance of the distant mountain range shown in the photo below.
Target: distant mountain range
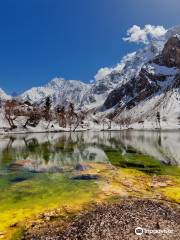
{"x": 144, "y": 83}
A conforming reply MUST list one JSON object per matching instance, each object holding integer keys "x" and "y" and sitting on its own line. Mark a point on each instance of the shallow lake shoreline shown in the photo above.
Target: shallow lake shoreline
{"x": 91, "y": 130}
{"x": 47, "y": 178}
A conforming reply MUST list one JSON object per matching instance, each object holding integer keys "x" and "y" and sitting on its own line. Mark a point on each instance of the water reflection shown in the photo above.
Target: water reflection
{"x": 62, "y": 151}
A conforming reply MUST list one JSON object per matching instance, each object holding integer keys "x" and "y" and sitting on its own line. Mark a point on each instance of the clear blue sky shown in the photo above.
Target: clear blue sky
{"x": 42, "y": 39}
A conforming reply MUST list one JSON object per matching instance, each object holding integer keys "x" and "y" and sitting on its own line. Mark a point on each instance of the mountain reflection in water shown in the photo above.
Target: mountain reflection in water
{"x": 56, "y": 152}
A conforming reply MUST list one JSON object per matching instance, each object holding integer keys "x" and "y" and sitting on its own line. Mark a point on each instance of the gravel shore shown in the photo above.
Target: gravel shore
{"x": 117, "y": 222}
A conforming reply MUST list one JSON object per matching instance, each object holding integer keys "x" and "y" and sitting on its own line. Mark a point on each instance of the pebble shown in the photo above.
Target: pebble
{"x": 115, "y": 222}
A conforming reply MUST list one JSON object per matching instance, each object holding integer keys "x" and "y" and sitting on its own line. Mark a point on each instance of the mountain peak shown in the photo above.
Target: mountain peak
{"x": 3, "y": 95}
{"x": 172, "y": 32}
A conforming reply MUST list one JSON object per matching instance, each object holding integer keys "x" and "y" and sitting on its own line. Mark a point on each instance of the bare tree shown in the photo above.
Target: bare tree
{"x": 126, "y": 122}
{"x": 110, "y": 119}
{"x": 158, "y": 117}
{"x": 11, "y": 112}
{"x": 119, "y": 122}
{"x": 47, "y": 111}
{"x": 61, "y": 115}
{"x": 80, "y": 117}
{"x": 33, "y": 117}
{"x": 72, "y": 116}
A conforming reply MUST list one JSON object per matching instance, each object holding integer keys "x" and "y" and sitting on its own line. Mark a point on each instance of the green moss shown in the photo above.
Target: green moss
{"x": 134, "y": 160}
{"x": 141, "y": 162}
{"x": 170, "y": 170}
{"x": 10, "y": 177}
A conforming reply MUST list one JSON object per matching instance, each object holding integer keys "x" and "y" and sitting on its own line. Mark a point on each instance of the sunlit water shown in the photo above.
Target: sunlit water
{"x": 36, "y": 169}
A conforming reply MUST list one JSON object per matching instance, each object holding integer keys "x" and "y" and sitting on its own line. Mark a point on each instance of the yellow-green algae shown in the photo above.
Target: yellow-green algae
{"x": 129, "y": 175}
{"x": 127, "y": 182}
{"x": 26, "y": 199}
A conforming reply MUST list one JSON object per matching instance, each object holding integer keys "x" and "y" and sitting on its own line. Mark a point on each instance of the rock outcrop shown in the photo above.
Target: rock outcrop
{"x": 170, "y": 56}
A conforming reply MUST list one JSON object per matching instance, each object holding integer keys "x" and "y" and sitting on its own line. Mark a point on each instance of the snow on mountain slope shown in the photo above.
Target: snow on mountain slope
{"x": 93, "y": 95}
{"x": 144, "y": 114}
{"x": 140, "y": 85}
{"x": 131, "y": 64}
{"x": 3, "y": 95}
{"x": 61, "y": 91}
{"x": 152, "y": 98}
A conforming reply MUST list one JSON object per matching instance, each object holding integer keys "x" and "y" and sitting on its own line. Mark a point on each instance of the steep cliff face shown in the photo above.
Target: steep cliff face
{"x": 157, "y": 77}
{"x": 132, "y": 92}
{"x": 170, "y": 56}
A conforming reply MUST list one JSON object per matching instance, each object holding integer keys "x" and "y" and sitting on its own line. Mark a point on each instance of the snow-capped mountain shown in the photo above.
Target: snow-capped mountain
{"x": 155, "y": 91}
{"x": 91, "y": 95}
{"x": 3, "y": 95}
{"x": 140, "y": 85}
{"x": 61, "y": 92}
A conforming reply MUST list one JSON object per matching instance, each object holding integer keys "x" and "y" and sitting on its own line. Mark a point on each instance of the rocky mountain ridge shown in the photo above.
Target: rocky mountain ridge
{"x": 85, "y": 95}
{"x": 154, "y": 92}
{"x": 143, "y": 83}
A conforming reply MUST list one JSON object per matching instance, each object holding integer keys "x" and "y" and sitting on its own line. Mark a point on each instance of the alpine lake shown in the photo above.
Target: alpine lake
{"x": 64, "y": 173}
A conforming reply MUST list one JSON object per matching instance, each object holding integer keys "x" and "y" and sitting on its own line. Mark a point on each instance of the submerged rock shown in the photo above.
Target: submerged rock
{"x": 14, "y": 166}
{"x": 18, "y": 179}
{"x": 86, "y": 177}
{"x": 53, "y": 169}
{"x": 13, "y": 225}
{"x": 81, "y": 167}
